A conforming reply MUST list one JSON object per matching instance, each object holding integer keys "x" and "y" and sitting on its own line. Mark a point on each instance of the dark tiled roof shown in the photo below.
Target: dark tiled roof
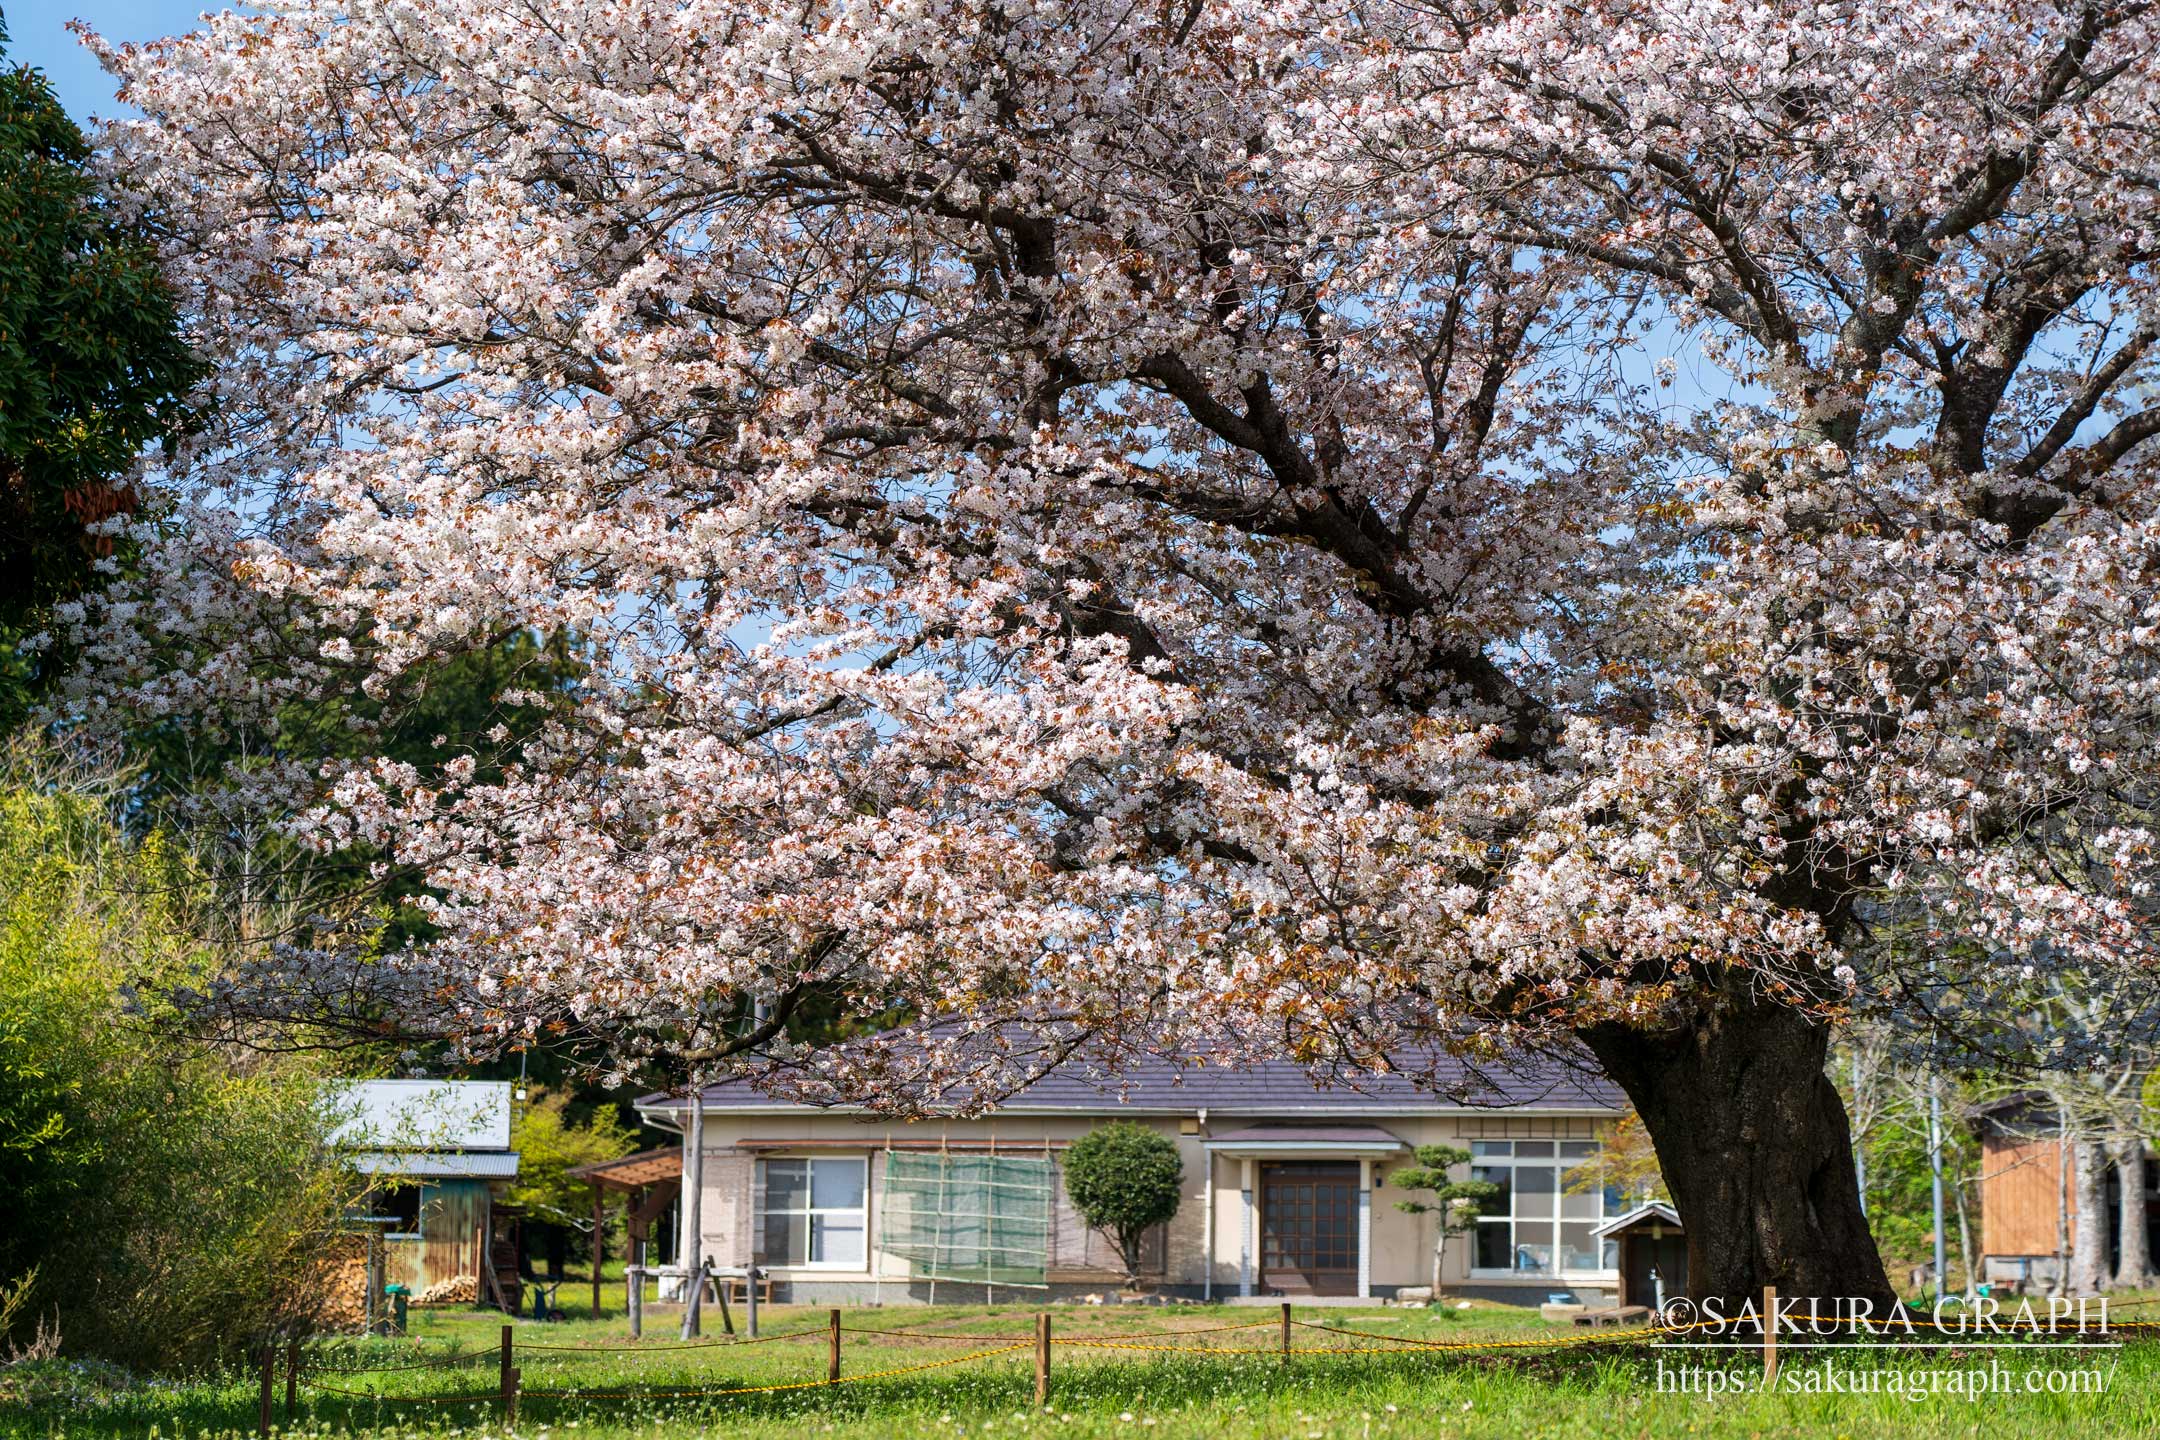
{"x": 1429, "y": 1080}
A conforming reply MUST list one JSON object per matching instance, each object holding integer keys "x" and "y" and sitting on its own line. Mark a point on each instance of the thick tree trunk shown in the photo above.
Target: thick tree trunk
{"x": 2133, "y": 1263}
{"x": 1752, "y": 1139}
{"x": 2089, "y": 1237}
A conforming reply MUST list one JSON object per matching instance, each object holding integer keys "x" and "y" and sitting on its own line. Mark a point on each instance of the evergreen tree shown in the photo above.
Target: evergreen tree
{"x": 93, "y": 366}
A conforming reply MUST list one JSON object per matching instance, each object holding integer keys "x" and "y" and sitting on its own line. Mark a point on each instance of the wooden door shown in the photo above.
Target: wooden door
{"x": 1308, "y": 1228}
{"x": 1667, "y": 1253}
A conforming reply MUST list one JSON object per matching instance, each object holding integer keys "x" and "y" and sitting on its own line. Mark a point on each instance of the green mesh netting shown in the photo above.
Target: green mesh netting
{"x": 979, "y": 1218}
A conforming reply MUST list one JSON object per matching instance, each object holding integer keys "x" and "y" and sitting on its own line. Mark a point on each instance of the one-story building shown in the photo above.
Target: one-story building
{"x": 1286, "y": 1189}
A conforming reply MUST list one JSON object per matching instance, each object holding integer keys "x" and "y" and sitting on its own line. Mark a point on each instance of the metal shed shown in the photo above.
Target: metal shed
{"x": 438, "y": 1152}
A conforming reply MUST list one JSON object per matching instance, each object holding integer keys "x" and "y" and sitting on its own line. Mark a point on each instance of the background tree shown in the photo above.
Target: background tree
{"x": 172, "y": 1201}
{"x": 1125, "y": 1180}
{"x": 1454, "y": 1204}
{"x": 1625, "y": 1161}
{"x": 1164, "y": 530}
{"x": 93, "y": 367}
{"x": 551, "y": 1143}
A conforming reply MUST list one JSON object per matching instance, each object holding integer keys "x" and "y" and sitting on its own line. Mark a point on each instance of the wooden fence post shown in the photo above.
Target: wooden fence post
{"x": 372, "y": 1317}
{"x": 1285, "y": 1332}
{"x": 832, "y": 1362}
{"x": 727, "y": 1318}
{"x": 269, "y": 1370}
{"x": 1769, "y": 1337}
{"x": 509, "y": 1376}
{"x": 634, "y": 1279}
{"x": 1042, "y": 1361}
{"x": 292, "y": 1382}
{"x": 599, "y": 1218}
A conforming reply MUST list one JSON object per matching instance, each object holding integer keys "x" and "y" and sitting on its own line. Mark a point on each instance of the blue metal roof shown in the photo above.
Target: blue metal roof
{"x": 438, "y": 1164}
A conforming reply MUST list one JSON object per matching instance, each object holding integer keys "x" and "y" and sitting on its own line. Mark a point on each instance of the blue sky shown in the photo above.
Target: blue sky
{"x": 38, "y": 35}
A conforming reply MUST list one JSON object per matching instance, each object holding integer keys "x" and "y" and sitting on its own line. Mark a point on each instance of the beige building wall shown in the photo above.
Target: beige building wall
{"x": 1400, "y": 1252}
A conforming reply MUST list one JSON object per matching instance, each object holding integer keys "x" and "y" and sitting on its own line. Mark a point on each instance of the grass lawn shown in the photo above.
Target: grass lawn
{"x": 1510, "y": 1392}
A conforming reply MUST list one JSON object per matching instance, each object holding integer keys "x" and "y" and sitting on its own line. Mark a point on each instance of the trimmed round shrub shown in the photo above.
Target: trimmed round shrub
{"x": 1125, "y": 1180}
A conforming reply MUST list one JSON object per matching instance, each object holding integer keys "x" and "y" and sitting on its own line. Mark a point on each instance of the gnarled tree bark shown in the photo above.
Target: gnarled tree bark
{"x": 2089, "y": 1272}
{"x": 2133, "y": 1261}
{"x": 1752, "y": 1138}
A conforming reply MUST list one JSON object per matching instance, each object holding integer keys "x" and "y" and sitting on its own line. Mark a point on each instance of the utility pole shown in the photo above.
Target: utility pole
{"x": 1935, "y": 1163}
{"x": 693, "y": 1221}
{"x": 1859, "y": 1150}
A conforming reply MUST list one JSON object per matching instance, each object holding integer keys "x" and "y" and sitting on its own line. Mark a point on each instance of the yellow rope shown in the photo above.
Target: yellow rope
{"x": 1391, "y": 1344}
{"x": 674, "y": 1394}
{"x": 761, "y": 1389}
{"x": 732, "y": 1342}
{"x": 979, "y": 1335}
{"x": 441, "y": 1362}
{"x": 404, "y": 1399}
{"x": 1080, "y": 1344}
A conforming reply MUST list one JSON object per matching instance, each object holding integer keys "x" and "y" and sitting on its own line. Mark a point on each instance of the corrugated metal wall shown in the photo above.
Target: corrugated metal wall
{"x": 451, "y": 1213}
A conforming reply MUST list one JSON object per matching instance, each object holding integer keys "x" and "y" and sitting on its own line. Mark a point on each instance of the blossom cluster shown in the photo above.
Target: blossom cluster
{"x": 1177, "y": 523}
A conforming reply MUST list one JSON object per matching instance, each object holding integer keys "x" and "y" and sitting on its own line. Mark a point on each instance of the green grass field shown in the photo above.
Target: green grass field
{"x": 1515, "y": 1391}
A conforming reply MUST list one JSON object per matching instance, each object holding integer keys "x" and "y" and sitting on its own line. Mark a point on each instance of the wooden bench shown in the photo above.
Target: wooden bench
{"x": 738, "y": 1289}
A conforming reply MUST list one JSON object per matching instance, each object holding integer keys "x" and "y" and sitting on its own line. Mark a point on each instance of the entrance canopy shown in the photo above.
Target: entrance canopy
{"x": 1306, "y": 1142}
{"x": 635, "y": 1172}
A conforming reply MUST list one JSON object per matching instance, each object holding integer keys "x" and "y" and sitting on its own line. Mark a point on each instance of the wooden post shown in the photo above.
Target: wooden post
{"x": 373, "y": 1321}
{"x": 1769, "y": 1337}
{"x": 509, "y": 1376}
{"x": 634, "y": 1297}
{"x": 491, "y": 1283}
{"x": 292, "y": 1382}
{"x": 750, "y": 1300}
{"x": 599, "y": 1218}
{"x": 479, "y": 1266}
{"x": 1042, "y": 1361}
{"x": 727, "y": 1316}
{"x": 269, "y": 1371}
{"x": 1286, "y": 1332}
{"x": 832, "y": 1360}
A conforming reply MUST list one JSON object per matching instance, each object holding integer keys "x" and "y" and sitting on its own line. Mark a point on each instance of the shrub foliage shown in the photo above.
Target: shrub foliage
{"x": 1124, "y": 1179}
{"x": 172, "y": 1201}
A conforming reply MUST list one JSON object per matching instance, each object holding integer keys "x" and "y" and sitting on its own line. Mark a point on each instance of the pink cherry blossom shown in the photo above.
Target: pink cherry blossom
{"x": 1178, "y": 519}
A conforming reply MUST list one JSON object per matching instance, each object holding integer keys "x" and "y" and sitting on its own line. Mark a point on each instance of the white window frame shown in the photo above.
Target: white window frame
{"x": 811, "y": 1213}
{"x": 1510, "y": 1160}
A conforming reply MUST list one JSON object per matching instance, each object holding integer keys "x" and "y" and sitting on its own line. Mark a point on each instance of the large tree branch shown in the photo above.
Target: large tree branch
{"x": 2098, "y": 386}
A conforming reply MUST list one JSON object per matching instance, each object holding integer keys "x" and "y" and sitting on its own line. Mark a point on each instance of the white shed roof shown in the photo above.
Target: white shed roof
{"x": 1654, "y": 1210}
{"x": 420, "y": 1114}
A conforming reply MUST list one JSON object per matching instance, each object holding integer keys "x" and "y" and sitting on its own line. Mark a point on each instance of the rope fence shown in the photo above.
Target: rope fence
{"x": 302, "y": 1372}
{"x": 731, "y": 1343}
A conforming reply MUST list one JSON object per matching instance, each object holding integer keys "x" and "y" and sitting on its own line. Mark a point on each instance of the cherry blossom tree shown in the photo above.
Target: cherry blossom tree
{"x": 1338, "y": 529}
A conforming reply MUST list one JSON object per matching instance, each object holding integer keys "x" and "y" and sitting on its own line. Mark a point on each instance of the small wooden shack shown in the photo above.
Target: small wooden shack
{"x": 2028, "y": 1195}
{"x": 1649, "y": 1238}
{"x": 438, "y": 1155}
